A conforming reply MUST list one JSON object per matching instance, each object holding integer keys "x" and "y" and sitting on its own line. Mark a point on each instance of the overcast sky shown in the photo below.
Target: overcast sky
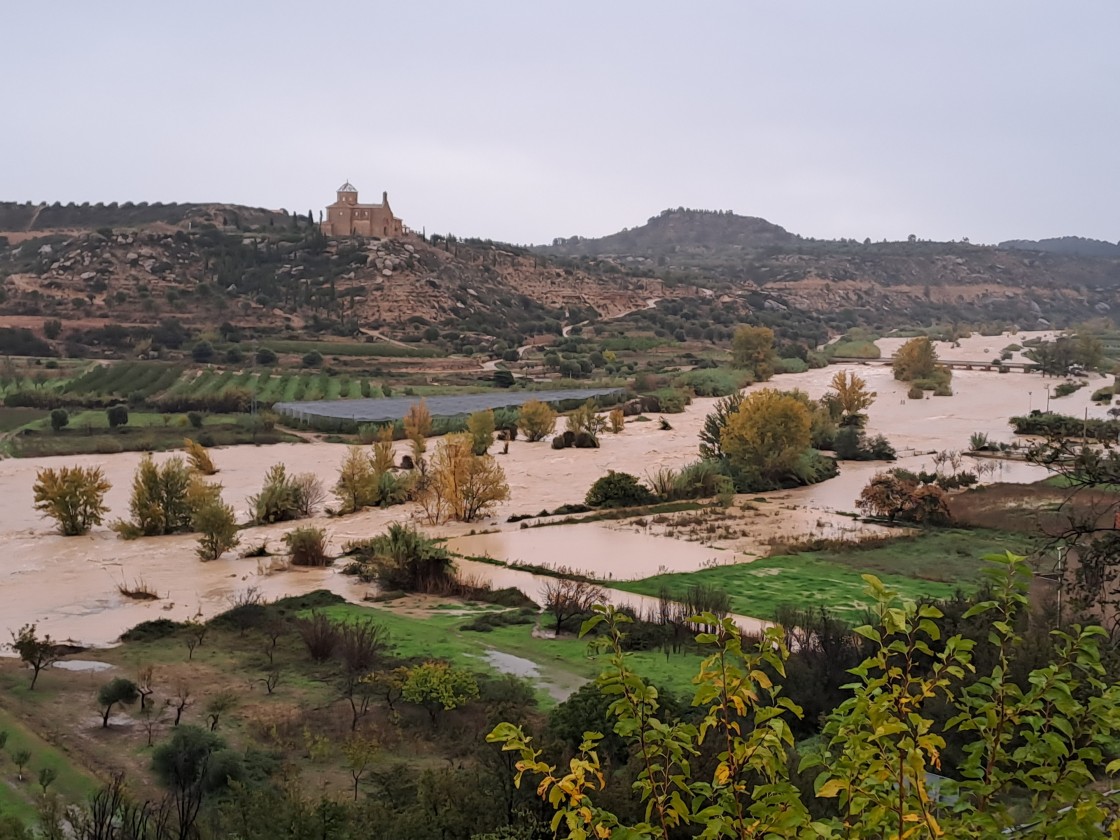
{"x": 522, "y": 121}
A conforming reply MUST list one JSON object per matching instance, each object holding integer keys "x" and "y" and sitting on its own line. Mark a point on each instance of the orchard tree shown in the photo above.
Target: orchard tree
{"x": 117, "y": 415}
{"x": 767, "y": 435}
{"x": 565, "y": 598}
{"x": 916, "y": 359}
{"x": 35, "y": 652}
{"x": 851, "y": 394}
{"x": 60, "y": 418}
{"x": 752, "y": 348}
{"x": 73, "y": 496}
{"x": 117, "y": 691}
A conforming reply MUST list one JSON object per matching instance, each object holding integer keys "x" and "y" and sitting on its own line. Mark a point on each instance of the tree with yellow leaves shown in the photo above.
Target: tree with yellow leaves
{"x": 461, "y": 485}
{"x": 852, "y": 394}
{"x": 417, "y": 427}
{"x": 752, "y": 348}
{"x": 74, "y": 497}
{"x": 916, "y": 359}
{"x": 767, "y": 435}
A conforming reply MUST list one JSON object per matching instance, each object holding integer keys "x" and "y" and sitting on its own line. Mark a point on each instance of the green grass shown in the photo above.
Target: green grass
{"x": 858, "y": 349}
{"x": 14, "y": 418}
{"x": 934, "y": 564}
{"x": 437, "y": 635}
{"x": 17, "y": 798}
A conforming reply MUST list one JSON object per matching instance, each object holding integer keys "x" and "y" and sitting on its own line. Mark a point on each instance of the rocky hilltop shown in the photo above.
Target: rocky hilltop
{"x": 681, "y": 231}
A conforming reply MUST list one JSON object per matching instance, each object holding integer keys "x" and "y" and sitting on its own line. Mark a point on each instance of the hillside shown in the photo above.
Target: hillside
{"x": 1077, "y": 246}
{"x": 882, "y": 284}
{"x": 195, "y": 266}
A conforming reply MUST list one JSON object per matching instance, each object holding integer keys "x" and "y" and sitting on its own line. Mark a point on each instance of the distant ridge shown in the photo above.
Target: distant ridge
{"x": 1074, "y": 246}
{"x": 680, "y": 230}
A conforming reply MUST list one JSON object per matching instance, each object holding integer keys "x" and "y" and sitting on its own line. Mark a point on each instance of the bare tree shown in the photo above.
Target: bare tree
{"x": 182, "y": 701}
{"x": 196, "y": 632}
{"x": 360, "y": 646}
{"x": 36, "y": 652}
{"x": 565, "y": 598}
{"x": 219, "y": 704}
{"x": 144, "y": 685}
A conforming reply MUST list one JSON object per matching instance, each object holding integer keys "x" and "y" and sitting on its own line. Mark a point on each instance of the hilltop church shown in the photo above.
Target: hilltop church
{"x": 346, "y": 217}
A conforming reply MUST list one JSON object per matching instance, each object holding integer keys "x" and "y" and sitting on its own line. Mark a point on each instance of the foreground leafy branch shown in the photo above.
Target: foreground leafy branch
{"x": 1049, "y": 739}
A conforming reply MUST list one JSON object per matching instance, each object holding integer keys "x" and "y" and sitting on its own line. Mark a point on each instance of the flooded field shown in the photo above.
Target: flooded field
{"x": 590, "y": 549}
{"x": 69, "y": 585}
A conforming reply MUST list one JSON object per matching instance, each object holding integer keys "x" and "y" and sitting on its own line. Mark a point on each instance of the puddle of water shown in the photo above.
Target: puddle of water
{"x": 558, "y": 686}
{"x": 81, "y": 665}
{"x": 507, "y": 663}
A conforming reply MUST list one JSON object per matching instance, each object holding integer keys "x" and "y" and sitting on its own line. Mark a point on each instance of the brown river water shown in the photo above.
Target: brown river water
{"x": 69, "y": 585}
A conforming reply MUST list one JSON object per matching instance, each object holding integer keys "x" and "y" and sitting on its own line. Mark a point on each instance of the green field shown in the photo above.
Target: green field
{"x": 16, "y": 797}
{"x": 566, "y": 660}
{"x": 348, "y": 348}
{"x": 935, "y": 564}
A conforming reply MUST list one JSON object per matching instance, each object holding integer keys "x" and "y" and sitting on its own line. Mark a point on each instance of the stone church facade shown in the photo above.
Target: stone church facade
{"x": 346, "y": 217}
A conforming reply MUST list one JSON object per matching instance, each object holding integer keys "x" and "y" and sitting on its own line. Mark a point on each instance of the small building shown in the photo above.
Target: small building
{"x": 346, "y": 217}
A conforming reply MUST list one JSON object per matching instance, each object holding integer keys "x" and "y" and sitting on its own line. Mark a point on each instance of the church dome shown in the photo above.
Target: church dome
{"x": 347, "y": 188}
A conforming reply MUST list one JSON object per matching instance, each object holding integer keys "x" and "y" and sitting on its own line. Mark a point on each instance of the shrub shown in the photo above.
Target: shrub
{"x": 481, "y": 427}
{"x": 203, "y": 351}
{"x": 1066, "y": 388}
{"x": 915, "y": 393}
{"x": 199, "y": 458}
{"x": 618, "y": 489}
{"x": 117, "y": 415}
{"x": 265, "y": 356}
{"x": 195, "y": 419}
{"x": 537, "y": 420}
{"x": 895, "y": 495}
{"x": 320, "y": 635}
{"x": 1103, "y": 394}
{"x": 278, "y": 500}
{"x": 617, "y": 420}
{"x": 73, "y": 496}
{"x": 214, "y": 521}
{"x": 307, "y": 547}
{"x": 403, "y": 559}
{"x": 853, "y": 444}
{"x": 312, "y": 359}
{"x": 60, "y": 418}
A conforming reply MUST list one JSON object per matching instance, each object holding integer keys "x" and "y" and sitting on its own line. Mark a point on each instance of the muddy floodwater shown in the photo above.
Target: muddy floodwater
{"x": 590, "y": 549}
{"x": 69, "y": 585}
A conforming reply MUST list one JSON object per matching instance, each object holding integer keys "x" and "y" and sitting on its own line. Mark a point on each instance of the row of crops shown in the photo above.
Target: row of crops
{"x": 155, "y": 382}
